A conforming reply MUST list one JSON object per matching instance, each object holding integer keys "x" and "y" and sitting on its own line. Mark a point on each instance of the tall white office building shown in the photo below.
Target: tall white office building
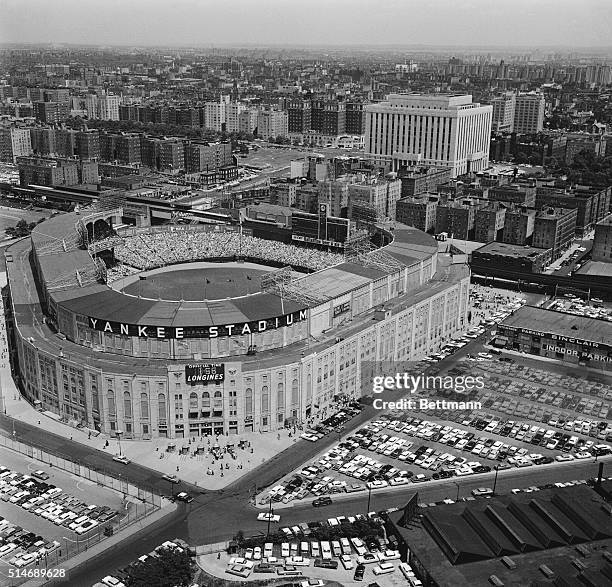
{"x": 438, "y": 130}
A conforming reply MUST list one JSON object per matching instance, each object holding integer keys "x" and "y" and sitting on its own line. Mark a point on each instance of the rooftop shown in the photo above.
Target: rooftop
{"x": 509, "y": 250}
{"x": 561, "y": 324}
{"x": 467, "y": 543}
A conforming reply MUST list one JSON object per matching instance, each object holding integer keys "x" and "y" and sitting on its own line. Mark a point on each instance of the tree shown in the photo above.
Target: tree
{"x": 169, "y": 568}
{"x": 22, "y": 228}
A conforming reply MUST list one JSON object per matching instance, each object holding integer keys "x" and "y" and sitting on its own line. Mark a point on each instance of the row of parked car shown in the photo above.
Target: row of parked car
{"x": 515, "y": 391}
{"x": 32, "y": 493}
{"x": 301, "y": 550}
{"x": 334, "y": 423}
{"x": 538, "y": 436}
{"x": 21, "y": 548}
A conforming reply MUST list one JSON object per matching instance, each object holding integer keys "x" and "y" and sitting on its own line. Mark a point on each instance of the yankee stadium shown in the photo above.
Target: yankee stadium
{"x": 188, "y": 330}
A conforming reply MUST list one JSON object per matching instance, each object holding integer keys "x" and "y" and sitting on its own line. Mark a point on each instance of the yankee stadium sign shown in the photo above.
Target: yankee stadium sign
{"x": 178, "y": 332}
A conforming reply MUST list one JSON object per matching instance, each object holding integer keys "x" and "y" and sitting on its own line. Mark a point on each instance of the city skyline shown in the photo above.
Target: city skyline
{"x": 442, "y": 23}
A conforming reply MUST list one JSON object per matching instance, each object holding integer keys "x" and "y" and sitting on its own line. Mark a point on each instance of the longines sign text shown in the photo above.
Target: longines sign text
{"x": 204, "y": 373}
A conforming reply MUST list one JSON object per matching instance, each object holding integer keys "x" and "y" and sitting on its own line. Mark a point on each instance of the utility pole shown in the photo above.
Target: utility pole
{"x": 495, "y": 480}
{"x": 369, "y": 497}
{"x": 269, "y": 518}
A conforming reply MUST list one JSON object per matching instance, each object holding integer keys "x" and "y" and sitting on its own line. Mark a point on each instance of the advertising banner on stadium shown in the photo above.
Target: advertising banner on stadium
{"x": 179, "y": 332}
{"x": 204, "y": 373}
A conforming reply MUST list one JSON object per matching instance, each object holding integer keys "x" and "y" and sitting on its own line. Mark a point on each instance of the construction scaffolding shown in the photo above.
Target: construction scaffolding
{"x": 359, "y": 249}
{"x": 282, "y": 283}
{"x": 69, "y": 242}
{"x": 94, "y": 272}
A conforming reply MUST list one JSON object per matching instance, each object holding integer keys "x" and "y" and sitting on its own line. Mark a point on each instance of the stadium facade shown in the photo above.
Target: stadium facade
{"x": 147, "y": 368}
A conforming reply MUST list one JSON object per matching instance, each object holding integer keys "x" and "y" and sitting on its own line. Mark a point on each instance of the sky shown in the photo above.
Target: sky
{"x": 467, "y": 23}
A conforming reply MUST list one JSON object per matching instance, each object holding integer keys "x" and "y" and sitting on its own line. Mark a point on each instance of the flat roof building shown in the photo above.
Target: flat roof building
{"x": 602, "y": 242}
{"x": 511, "y": 257}
{"x": 439, "y": 130}
{"x": 554, "y": 228}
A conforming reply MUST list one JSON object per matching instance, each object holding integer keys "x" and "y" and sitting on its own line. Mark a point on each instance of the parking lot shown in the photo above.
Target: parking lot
{"x": 348, "y": 549}
{"x": 45, "y": 509}
{"x": 529, "y": 417}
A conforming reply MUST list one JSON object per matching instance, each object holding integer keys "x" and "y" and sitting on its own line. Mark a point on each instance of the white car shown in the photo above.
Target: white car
{"x": 86, "y": 526}
{"x": 121, "y": 459}
{"x": 25, "y": 560}
{"x": 267, "y": 516}
{"x": 389, "y": 555}
{"x": 112, "y": 581}
{"x": 285, "y": 549}
{"x": 376, "y": 484}
{"x": 347, "y": 562}
{"x": 6, "y": 548}
{"x": 384, "y": 568}
{"x": 310, "y": 436}
{"x": 482, "y": 492}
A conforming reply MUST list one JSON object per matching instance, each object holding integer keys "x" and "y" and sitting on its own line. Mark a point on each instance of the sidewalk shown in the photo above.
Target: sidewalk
{"x": 260, "y": 446}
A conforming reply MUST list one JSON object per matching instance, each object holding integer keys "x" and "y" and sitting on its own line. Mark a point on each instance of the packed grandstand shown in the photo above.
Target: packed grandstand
{"x": 146, "y": 251}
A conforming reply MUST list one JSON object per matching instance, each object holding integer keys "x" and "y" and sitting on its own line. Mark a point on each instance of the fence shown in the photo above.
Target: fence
{"x": 97, "y": 475}
{"x": 134, "y": 511}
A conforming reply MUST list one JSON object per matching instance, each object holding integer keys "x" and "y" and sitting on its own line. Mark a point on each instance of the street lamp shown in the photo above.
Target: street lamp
{"x": 118, "y": 433}
{"x": 457, "y": 486}
{"x": 269, "y": 517}
{"x": 495, "y": 480}
{"x": 369, "y": 497}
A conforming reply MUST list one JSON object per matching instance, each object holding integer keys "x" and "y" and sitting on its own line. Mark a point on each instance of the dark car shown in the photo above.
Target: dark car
{"x": 326, "y": 564}
{"x": 322, "y": 501}
{"x": 359, "y": 571}
{"x": 265, "y": 568}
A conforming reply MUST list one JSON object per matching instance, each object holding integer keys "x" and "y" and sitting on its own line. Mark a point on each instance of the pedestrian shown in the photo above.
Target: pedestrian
{"x": 177, "y": 469}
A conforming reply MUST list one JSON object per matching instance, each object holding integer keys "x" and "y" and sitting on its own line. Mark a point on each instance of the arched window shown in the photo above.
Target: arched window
{"x": 280, "y": 395}
{"x": 193, "y": 402}
{"x": 127, "y": 404}
{"x": 248, "y": 400}
{"x": 110, "y": 398}
{"x": 161, "y": 406}
{"x": 265, "y": 399}
{"x": 295, "y": 396}
{"x": 206, "y": 400}
{"x": 144, "y": 406}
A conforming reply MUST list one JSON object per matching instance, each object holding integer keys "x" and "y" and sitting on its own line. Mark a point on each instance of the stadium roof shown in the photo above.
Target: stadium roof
{"x": 561, "y": 324}
{"x": 409, "y": 246}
